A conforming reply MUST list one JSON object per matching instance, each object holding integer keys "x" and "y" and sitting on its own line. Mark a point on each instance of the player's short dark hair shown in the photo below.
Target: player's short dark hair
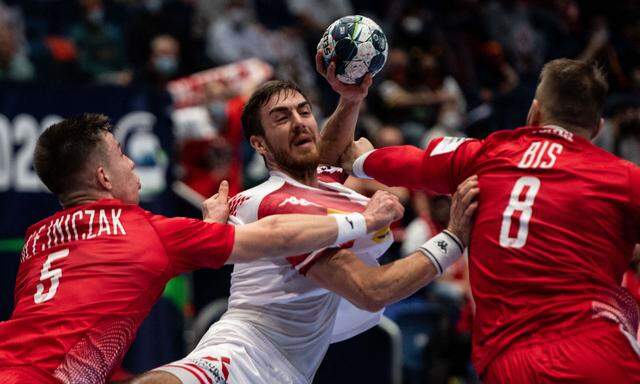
{"x": 64, "y": 148}
{"x": 573, "y": 92}
{"x": 251, "y": 124}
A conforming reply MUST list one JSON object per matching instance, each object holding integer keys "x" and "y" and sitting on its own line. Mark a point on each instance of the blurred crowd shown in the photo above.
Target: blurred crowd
{"x": 455, "y": 68}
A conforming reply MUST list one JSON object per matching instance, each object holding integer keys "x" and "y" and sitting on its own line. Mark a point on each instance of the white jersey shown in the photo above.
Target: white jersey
{"x": 274, "y": 298}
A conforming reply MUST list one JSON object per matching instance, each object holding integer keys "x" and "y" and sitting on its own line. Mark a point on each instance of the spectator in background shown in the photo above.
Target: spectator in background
{"x": 237, "y": 35}
{"x": 509, "y": 23}
{"x": 163, "y": 64}
{"x": 419, "y": 95}
{"x": 14, "y": 63}
{"x": 207, "y": 12}
{"x": 627, "y": 126}
{"x": 100, "y": 45}
{"x": 151, "y": 18}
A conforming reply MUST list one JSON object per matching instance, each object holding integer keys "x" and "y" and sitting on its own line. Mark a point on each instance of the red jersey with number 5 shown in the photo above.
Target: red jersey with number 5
{"x": 88, "y": 276}
{"x": 556, "y": 224}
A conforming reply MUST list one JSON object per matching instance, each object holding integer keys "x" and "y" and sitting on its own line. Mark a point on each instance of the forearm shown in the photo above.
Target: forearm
{"x": 372, "y": 288}
{"x": 395, "y": 281}
{"x": 396, "y": 166}
{"x": 339, "y": 131}
{"x": 290, "y": 235}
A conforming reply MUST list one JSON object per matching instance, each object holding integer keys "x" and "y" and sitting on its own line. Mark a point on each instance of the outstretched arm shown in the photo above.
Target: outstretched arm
{"x": 340, "y": 127}
{"x": 288, "y": 235}
{"x": 372, "y": 288}
{"x": 439, "y": 168}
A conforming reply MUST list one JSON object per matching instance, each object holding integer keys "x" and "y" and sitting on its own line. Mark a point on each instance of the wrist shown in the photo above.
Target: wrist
{"x": 457, "y": 236}
{"x": 350, "y": 227}
{"x": 369, "y": 221}
{"x": 357, "y": 168}
{"x": 350, "y": 102}
{"x": 443, "y": 250}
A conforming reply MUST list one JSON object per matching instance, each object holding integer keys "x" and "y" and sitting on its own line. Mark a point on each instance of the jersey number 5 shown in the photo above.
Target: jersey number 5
{"x": 523, "y": 208}
{"x": 49, "y": 274}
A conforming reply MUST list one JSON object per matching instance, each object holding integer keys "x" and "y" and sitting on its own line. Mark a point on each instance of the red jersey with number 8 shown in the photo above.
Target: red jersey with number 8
{"x": 88, "y": 276}
{"x": 556, "y": 224}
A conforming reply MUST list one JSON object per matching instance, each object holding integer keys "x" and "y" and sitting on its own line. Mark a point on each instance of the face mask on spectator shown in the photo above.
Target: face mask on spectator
{"x": 166, "y": 65}
{"x": 412, "y": 25}
{"x": 153, "y": 5}
{"x": 96, "y": 16}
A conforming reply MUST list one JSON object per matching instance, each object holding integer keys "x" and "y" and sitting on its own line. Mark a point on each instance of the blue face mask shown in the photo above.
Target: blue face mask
{"x": 166, "y": 65}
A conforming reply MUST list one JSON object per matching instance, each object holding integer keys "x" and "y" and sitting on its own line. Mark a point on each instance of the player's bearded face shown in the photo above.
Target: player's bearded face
{"x": 291, "y": 133}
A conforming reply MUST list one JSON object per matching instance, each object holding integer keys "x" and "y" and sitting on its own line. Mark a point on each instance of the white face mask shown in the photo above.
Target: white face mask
{"x": 451, "y": 120}
{"x": 412, "y": 24}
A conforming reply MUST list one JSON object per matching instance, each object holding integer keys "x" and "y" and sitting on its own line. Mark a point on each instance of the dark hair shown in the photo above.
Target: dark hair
{"x": 573, "y": 92}
{"x": 64, "y": 148}
{"x": 251, "y": 124}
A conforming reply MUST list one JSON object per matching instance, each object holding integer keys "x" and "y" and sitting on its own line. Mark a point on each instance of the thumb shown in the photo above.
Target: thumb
{"x": 223, "y": 191}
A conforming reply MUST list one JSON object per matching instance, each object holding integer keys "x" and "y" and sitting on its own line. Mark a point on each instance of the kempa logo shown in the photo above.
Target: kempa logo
{"x": 442, "y": 245}
{"x": 295, "y": 201}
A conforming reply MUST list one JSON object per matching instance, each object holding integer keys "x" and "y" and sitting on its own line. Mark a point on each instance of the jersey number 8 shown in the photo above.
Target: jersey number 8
{"x": 523, "y": 207}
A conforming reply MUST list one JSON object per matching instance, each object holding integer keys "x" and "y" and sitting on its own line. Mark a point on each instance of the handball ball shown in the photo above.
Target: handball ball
{"x": 357, "y": 45}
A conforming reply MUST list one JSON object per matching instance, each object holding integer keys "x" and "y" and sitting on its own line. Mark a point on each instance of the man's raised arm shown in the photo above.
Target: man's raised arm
{"x": 340, "y": 127}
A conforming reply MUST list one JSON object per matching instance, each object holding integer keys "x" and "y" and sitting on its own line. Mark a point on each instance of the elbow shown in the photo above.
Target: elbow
{"x": 370, "y": 299}
{"x": 370, "y": 303}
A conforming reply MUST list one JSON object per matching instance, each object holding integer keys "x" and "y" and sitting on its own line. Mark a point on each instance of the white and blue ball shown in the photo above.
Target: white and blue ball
{"x": 357, "y": 45}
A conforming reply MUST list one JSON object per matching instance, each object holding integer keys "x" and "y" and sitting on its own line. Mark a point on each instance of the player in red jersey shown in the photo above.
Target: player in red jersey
{"x": 556, "y": 224}
{"x": 90, "y": 273}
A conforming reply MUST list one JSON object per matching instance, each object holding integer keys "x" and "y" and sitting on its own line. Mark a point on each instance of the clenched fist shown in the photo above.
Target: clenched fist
{"x": 383, "y": 209}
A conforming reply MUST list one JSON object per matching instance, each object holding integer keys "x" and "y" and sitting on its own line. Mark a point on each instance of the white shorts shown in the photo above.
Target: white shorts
{"x": 232, "y": 353}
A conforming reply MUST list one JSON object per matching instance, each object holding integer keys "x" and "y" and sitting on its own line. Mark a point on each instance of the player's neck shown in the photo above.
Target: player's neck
{"x": 82, "y": 197}
{"x": 307, "y": 177}
{"x": 578, "y": 131}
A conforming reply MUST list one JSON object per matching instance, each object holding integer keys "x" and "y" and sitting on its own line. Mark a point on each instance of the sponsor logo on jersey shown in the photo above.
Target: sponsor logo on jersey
{"x": 298, "y": 201}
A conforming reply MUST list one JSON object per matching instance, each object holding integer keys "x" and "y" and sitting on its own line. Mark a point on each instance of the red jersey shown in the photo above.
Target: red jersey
{"x": 88, "y": 276}
{"x": 555, "y": 227}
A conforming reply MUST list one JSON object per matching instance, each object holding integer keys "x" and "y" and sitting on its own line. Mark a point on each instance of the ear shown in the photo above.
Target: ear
{"x": 598, "y": 129}
{"x": 534, "y": 117}
{"x": 103, "y": 178}
{"x": 259, "y": 144}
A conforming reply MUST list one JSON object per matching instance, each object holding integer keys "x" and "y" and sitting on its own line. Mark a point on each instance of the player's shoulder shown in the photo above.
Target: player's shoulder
{"x": 447, "y": 144}
{"x": 245, "y": 205}
{"x": 634, "y": 172}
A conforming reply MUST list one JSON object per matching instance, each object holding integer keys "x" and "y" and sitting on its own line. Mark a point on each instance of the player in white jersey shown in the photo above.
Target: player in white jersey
{"x": 283, "y": 315}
